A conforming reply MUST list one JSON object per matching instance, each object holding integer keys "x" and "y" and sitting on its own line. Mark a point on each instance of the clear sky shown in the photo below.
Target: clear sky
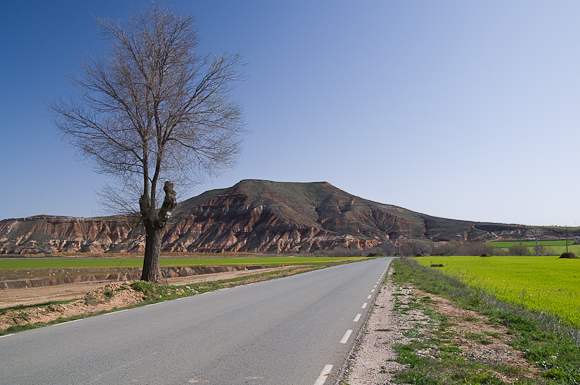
{"x": 458, "y": 109}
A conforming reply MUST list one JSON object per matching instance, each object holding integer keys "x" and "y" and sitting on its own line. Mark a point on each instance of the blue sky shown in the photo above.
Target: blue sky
{"x": 458, "y": 109}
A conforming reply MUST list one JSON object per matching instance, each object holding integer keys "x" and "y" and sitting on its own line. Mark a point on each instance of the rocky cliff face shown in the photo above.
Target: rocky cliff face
{"x": 253, "y": 216}
{"x": 50, "y": 234}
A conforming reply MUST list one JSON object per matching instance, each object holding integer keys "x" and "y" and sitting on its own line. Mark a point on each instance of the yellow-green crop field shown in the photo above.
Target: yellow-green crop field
{"x": 544, "y": 284}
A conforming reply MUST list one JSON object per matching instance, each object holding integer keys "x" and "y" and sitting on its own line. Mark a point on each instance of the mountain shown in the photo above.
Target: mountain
{"x": 254, "y": 216}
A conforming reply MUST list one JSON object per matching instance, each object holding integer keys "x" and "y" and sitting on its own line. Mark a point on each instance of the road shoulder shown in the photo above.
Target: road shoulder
{"x": 372, "y": 360}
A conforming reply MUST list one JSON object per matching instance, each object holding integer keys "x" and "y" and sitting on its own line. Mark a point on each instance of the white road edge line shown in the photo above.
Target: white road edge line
{"x": 357, "y": 318}
{"x": 115, "y": 312}
{"x": 7, "y": 335}
{"x": 346, "y": 336}
{"x": 323, "y": 375}
{"x": 364, "y": 305}
{"x": 68, "y": 322}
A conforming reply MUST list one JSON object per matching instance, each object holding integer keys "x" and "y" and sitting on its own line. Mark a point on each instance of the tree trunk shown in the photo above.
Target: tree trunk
{"x": 154, "y": 224}
{"x": 153, "y": 236}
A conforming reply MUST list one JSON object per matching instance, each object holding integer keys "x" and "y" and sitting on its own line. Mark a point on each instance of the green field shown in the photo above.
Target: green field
{"x": 502, "y": 244}
{"x": 542, "y": 284}
{"x": 78, "y": 263}
{"x": 554, "y": 247}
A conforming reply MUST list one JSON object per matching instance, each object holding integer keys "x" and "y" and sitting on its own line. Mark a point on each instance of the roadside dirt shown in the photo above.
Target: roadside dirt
{"x": 94, "y": 298}
{"x": 372, "y": 361}
{"x": 106, "y": 296}
{"x": 37, "y": 295}
{"x": 94, "y": 301}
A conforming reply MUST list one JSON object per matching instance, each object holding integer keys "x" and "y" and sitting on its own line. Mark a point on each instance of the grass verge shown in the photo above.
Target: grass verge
{"x": 434, "y": 356}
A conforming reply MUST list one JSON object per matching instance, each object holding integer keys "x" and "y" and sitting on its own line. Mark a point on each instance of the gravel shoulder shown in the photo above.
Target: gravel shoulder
{"x": 372, "y": 360}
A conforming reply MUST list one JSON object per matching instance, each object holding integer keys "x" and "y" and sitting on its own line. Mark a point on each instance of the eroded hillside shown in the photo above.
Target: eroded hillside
{"x": 253, "y": 216}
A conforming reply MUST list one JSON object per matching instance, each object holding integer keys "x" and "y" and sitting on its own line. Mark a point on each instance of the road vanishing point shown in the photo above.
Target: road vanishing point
{"x": 296, "y": 330}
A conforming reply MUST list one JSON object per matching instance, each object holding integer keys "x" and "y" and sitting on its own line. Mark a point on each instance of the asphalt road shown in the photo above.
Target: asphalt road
{"x": 295, "y": 330}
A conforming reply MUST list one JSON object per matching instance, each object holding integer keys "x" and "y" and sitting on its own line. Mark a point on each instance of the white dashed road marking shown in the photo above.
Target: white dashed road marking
{"x": 323, "y": 375}
{"x": 346, "y": 336}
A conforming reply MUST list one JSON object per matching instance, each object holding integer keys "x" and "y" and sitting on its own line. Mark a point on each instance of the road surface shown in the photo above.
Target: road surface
{"x": 294, "y": 330}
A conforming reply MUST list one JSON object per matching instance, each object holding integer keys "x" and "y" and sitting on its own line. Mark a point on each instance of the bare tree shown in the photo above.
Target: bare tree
{"x": 153, "y": 110}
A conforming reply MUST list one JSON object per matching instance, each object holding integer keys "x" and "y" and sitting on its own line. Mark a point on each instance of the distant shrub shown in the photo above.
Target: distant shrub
{"x": 569, "y": 256}
{"x": 498, "y": 252}
{"x": 518, "y": 249}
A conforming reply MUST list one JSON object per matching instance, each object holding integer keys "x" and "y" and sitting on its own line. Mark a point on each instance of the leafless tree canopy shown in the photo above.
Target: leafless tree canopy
{"x": 153, "y": 109}
{"x": 152, "y": 112}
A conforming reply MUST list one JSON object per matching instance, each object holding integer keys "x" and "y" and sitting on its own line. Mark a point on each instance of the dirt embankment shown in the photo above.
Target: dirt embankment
{"x": 94, "y": 297}
{"x": 61, "y": 276}
{"x": 30, "y": 295}
{"x": 116, "y": 295}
